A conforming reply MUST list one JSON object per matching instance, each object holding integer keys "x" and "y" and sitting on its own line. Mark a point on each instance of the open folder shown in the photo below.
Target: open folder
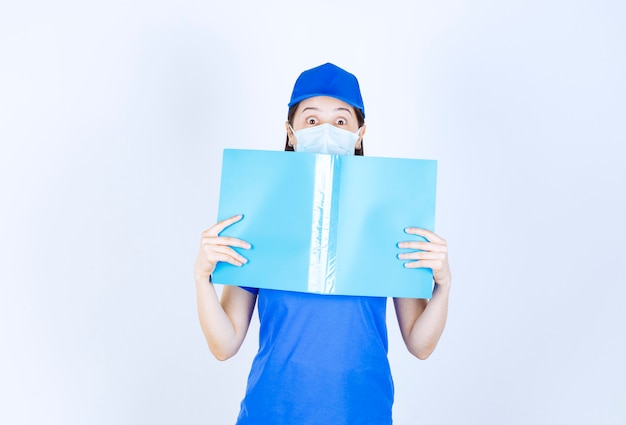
{"x": 326, "y": 224}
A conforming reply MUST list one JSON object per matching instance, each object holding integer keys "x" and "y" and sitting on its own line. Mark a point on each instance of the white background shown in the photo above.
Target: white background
{"x": 113, "y": 118}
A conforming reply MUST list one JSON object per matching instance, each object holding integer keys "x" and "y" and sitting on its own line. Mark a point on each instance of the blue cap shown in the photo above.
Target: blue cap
{"x": 328, "y": 80}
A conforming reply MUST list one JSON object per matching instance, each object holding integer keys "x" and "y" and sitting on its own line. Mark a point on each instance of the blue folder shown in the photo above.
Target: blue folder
{"x": 326, "y": 224}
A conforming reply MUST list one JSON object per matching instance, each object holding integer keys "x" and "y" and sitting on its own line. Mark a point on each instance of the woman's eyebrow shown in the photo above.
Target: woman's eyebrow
{"x": 309, "y": 108}
{"x": 341, "y": 108}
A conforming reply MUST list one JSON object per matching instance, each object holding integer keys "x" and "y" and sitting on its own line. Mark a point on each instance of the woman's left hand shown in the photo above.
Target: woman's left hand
{"x": 432, "y": 254}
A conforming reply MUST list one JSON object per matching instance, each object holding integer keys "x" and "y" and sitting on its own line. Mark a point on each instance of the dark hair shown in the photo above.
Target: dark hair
{"x": 292, "y": 111}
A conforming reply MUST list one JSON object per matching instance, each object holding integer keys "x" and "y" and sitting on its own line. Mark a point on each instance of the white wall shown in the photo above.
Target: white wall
{"x": 113, "y": 117}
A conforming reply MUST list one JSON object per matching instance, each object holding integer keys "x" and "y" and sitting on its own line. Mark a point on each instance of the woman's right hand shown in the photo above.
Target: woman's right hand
{"x": 215, "y": 248}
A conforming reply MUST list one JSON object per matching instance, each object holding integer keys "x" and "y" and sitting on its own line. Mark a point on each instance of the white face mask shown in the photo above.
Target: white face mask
{"x": 326, "y": 138}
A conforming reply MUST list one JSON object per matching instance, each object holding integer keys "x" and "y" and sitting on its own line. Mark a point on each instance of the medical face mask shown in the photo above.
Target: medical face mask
{"x": 326, "y": 138}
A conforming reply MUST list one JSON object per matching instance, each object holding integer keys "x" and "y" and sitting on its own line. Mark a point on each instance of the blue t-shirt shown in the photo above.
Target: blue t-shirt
{"x": 322, "y": 360}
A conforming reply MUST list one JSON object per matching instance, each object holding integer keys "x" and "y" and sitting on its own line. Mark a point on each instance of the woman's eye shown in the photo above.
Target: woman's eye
{"x": 341, "y": 121}
{"x": 311, "y": 121}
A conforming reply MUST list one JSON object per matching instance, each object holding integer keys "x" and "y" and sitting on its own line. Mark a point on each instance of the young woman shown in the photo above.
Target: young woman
{"x": 322, "y": 359}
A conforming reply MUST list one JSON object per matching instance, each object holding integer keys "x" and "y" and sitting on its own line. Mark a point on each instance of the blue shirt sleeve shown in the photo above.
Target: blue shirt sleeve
{"x": 254, "y": 291}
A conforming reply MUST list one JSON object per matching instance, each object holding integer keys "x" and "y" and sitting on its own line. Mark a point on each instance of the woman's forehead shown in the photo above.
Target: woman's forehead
{"x": 324, "y": 104}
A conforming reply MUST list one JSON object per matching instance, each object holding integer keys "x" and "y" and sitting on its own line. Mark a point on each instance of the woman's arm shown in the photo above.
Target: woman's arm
{"x": 224, "y": 323}
{"x": 422, "y": 321}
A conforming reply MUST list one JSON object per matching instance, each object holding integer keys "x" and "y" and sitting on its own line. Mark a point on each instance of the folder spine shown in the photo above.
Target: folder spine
{"x": 324, "y": 224}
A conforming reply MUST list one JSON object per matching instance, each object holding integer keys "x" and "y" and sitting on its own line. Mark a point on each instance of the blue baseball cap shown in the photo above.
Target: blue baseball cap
{"x": 328, "y": 80}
